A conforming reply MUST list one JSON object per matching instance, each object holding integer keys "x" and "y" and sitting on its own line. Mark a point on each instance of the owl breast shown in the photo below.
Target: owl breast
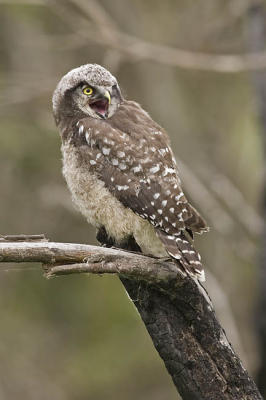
{"x": 101, "y": 208}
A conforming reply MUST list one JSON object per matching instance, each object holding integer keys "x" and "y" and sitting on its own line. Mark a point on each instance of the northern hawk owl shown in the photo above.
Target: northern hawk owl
{"x": 121, "y": 170}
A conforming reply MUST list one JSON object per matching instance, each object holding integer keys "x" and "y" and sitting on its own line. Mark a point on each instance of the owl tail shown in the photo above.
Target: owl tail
{"x": 181, "y": 248}
{"x": 195, "y": 222}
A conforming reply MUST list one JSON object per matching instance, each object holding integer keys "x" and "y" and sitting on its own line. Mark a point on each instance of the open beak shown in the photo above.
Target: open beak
{"x": 107, "y": 96}
{"x": 100, "y": 103}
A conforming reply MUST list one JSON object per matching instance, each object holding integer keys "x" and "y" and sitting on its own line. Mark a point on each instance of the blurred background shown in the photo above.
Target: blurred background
{"x": 80, "y": 337}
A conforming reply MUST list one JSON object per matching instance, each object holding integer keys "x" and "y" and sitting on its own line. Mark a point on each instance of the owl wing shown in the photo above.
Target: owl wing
{"x": 143, "y": 176}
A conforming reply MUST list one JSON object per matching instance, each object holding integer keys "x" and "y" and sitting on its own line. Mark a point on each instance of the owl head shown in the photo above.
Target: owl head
{"x": 86, "y": 91}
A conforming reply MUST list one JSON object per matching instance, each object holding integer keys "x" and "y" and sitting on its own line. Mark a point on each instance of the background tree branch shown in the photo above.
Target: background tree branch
{"x": 92, "y": 16}
{"x": 176, "y": 310}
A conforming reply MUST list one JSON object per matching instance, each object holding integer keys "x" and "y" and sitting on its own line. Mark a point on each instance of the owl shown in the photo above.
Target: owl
{"x": 121, "y": 171}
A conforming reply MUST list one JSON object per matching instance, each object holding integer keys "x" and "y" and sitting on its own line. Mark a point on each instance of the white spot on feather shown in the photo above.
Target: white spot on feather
{"x": 179, "y": 196}
{"x": 180, "y": 216}
{"x": 114, "y": 161}
{"x": 168, "y": 170}
{"x": 108, "y": 141}
{"x": 120, "y": 154}
{"x": 123, "y": 187}
{"x": 201, "y": 277}
{"x": 170, "y": 237}
{"x": 138, "y": 168}
{"x": 122, "y": 166}
{"x": 106, "y": 150}
{"x": 194, "y": 262}
{"x": 155, "y": 169}
{"x": 162, "y": 151}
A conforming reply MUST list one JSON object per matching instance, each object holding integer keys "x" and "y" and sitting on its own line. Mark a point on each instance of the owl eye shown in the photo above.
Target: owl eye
{"x": 87, "y": 90}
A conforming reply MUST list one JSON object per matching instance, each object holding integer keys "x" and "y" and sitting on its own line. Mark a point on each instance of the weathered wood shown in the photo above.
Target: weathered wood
{"x": 80, "y": 258}
{"x": 176, "y": 310}
{"x": 189, "y": 339}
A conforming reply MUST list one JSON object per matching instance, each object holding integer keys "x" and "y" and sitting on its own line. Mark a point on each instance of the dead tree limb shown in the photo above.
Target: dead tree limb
{"x": 176, "y": 310}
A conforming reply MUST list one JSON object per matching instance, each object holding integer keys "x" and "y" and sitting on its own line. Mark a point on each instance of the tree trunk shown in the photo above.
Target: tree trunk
{"x": 192, "y": 344}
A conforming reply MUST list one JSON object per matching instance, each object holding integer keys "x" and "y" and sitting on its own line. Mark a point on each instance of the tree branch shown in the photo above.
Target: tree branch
{"x": 135, "y": 48}
{"x": 176, "y": 310}
{"x": 81, "y": 258}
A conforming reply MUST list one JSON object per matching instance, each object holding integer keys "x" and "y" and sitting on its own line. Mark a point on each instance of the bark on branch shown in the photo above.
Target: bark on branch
{"x": 176, "y": 310}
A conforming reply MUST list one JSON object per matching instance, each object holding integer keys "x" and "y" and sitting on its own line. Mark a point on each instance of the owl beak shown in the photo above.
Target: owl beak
{"x": 100, "y": 103}
{"x": 107, "y": 96}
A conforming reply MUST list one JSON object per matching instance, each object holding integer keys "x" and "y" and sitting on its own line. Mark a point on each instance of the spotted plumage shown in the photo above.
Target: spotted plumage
{"x": 116, "y": 152}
